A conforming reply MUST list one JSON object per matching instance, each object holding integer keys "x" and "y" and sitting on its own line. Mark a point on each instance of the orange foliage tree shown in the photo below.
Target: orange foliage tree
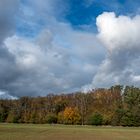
{"x": 71, "y": 115}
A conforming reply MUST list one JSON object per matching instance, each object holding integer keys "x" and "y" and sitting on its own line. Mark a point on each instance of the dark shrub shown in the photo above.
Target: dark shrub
{"x": 51, "y": 118}
{"x": 96, "y": 119}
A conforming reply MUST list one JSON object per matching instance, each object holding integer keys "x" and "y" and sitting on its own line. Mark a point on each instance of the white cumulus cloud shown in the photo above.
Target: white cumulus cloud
{"x": 120, "y": 35}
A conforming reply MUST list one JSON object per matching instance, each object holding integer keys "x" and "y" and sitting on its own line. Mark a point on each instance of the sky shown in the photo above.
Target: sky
{"x": 63, "y": 46}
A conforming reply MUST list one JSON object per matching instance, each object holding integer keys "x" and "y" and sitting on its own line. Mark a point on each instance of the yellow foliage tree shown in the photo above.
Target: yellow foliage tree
{"x": 72, "y": 115}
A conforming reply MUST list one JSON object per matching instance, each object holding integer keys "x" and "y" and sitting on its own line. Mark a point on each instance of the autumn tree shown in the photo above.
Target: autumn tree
{"x": 71, "y": 116}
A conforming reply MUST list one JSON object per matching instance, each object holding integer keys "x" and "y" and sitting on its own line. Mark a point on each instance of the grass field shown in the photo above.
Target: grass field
{"x": 61, "y": 132}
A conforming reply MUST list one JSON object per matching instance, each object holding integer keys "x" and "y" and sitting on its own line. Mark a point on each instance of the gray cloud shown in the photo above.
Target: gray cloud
{"x": 61, "y": 59}
{"x": 8, "y": 71}
{"x": 57, "y": 60}
{"x": 46, "y": 66}
{"x": 8, "y": 10}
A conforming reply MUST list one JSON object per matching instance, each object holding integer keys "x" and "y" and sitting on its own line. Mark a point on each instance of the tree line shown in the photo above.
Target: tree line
{"x": 117, "y": 106}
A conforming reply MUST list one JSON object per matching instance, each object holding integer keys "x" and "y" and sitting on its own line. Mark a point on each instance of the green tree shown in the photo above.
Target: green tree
{"x": 51, "y": 119}
{"x": 96, "y": 119}
{"x": 131, "y": 106}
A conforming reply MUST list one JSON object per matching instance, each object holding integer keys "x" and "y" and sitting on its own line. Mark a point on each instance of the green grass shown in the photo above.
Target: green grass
{"x": 63, "y": 132}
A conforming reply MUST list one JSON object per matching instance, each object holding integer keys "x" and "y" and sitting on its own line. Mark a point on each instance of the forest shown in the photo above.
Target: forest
{"x": 116, "y": 106}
